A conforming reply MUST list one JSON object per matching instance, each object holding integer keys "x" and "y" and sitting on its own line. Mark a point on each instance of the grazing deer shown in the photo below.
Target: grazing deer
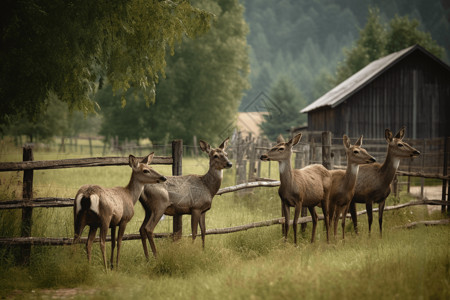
{"x": 344, "y": 182}
{"x": 373, "y": 183}
{"x": 308, "y": 187}
{"x": 97, "y": 206}
{"x": 180, "y": 195}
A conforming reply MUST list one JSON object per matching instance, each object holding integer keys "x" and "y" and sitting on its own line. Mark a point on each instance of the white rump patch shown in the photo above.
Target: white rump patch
{"x": 78, "y": 202}
{"x": 95, "y": 200}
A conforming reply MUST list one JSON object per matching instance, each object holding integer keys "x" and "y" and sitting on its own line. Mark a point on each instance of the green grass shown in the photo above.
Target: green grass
{"x": 404, "y": 264}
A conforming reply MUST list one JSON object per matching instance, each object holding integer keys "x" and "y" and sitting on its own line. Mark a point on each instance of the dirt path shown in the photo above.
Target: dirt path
{"x": 429, "y": 192}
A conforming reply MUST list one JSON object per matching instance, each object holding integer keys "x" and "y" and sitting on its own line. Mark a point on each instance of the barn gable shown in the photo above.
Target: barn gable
{"x": 410, "y": 87}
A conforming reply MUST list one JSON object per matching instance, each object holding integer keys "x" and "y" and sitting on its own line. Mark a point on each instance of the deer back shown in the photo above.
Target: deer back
{"x": 312, "y": 181}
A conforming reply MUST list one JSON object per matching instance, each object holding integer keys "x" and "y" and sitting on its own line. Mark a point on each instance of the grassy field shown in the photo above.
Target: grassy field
{"x": 404, "y": 264}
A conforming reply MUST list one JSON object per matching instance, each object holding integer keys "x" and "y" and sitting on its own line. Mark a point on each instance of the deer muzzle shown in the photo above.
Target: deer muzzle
{"x": 264, "y": 157}
{"x": 415, "y": 153}
{"x": 162, "y": 179}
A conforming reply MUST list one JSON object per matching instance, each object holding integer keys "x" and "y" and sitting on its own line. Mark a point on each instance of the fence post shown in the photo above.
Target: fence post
{"x": 444, "y": 182}
{"x": 326, "y": 149}
{"x": 177, "y": 155}
{"x": 27, "y": 213}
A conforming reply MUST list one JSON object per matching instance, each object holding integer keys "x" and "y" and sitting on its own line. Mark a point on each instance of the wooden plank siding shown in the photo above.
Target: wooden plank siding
{"x": 414, "y": 92}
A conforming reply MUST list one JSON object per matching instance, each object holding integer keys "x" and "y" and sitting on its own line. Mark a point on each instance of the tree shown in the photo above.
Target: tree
{"x": 66, "y": 47}
{"x": 200, "y": 94}
{"x": 377, "y": 40}
{"x": 283, "y": 109}
{"x": 370, "y": 46}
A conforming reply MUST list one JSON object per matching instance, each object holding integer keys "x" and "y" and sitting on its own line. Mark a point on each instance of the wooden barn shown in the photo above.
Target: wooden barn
{"x": 410, "y": 87}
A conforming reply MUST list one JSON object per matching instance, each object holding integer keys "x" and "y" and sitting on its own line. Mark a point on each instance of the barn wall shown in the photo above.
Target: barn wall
{"x": 414, "y": 92}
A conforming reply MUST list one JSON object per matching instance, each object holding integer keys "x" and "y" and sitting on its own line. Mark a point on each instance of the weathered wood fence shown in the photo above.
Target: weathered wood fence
{"x": 241, "y": 150}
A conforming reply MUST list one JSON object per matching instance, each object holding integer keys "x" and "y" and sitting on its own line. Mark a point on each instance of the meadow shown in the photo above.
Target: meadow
{"x": 257, "y": 263}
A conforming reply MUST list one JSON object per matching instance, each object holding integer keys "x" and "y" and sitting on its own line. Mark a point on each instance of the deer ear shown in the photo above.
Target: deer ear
{"x": 401, "y": 133}
{"x": 294, "y": 141}
{"x": 280, "y": 139}
{"x": 148, "y": 159}
{"x": 346, "y": 141}
{"x": 359, "y": 141}
{"x": 205, "y": 146}
{"x": 132, "y": 161}
{"x": 224, "y": 143}
{"x": 388, "y": 135}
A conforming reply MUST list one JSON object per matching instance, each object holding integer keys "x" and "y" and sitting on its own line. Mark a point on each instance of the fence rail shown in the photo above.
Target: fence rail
{"x": 69, "y": 241}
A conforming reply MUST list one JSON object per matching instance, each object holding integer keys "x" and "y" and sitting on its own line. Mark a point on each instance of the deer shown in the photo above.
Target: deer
{"x": 344, "y": 181}
{"x": 181, "y": 195}
{"x": 105, "y": 208}
{"x": 309, "y": 186}
{"x": 374, "y": 181}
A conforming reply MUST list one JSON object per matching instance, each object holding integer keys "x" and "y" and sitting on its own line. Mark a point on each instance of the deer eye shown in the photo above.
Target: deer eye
{"x": 280, "y": 149}
{"x": 146, "y": 171}
{"x": 400, "y": 145}
{"x": 356, "y": 152}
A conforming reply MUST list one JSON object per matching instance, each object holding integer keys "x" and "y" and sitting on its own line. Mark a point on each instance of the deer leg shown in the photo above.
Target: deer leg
{"x": 298, "y": 208}
{"x": 150, "y": 226}
{"x": 80, "y": 223}
{"x": 380, "y": 216}
{"x": 369, "y": 214}
{"x": 113, "y": 245}
{"x": 103, "y": 232}
{"x": 326, "y": 212}
{"x": 195, "y": 219}
{"x": 336, "y": 215}
{"x": 344, "y": 216}
{"x": 286, "y": 212}
{"x": 122, "y": 227}
{"x": 90, "y": 240}
{"x": 143, "y": 233}
{"x": 354, "y": 216}
{"x": 314, "y": 217}
{"x": 203, "y": 228}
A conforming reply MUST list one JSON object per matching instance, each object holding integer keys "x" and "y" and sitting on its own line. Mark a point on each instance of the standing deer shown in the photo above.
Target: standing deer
{"x": 309, "y": 186}
{"x": 97, "y": 206}
{"x": 373, "y": 183}
{"x": 179, "y": 195}
{"x": 344, "y": 182}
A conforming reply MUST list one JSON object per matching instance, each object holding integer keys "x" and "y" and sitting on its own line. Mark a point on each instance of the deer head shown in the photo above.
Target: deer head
{"x": 397, "y": 147}
{"x": 282, "y": 150}
{"x": 142, "y": 170}
{"x": 218, "y": 158}
{"x": 355, "y": 153}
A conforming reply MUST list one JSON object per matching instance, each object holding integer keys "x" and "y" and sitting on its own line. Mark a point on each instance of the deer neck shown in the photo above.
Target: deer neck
{"x": 286, "y": 173}
{"x": 351, "y": 174}
{"x": 213, "y": 179}
{"x": 135, "y": 188}
{"x": 389, "y": 166}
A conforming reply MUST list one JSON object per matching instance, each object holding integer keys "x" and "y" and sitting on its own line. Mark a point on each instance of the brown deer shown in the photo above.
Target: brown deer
{"x": 309, "y": 186}
{"x": 180, "y": 195}
{"x": 97, "y": 206}
{"x": 373, "y": 183}
{"x": 344, "y": 182}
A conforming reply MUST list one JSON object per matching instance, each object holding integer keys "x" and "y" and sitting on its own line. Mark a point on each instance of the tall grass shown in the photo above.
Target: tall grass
{"x": 406, "y": 264}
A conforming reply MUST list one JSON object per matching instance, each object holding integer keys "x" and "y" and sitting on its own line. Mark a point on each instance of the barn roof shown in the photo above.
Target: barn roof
{"x": 357, "y": 81}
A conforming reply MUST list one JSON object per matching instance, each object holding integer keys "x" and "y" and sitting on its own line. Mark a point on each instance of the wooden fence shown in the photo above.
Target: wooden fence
{"x": 240, "y": 150}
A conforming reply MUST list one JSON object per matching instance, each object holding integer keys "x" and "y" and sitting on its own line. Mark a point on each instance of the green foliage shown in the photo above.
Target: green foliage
{"x": 284, "y": 109}
{"x": 66, "y": 47}
{"x": 204, "y": 82}
{"x": 377, "y": 40}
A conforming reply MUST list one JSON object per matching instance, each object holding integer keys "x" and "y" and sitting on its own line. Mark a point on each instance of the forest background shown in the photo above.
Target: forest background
{"x": 253, "y": 49}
